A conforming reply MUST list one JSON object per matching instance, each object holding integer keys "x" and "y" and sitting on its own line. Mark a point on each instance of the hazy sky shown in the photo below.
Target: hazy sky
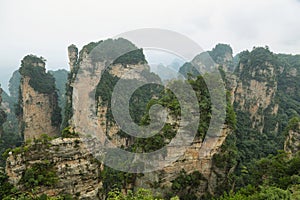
{"x": 47, "y": 27}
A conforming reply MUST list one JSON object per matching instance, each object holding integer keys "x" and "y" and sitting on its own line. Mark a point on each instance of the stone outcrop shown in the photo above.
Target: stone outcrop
{"x": 76, "y": 170}
{"x": 39, "y": 112}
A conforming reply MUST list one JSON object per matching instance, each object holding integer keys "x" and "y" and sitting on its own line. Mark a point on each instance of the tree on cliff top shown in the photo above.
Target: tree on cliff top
{"x": 33, "y": 67}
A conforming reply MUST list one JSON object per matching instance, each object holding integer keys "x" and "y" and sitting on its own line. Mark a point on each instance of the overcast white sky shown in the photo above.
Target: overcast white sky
{"x": 47, "y": 27}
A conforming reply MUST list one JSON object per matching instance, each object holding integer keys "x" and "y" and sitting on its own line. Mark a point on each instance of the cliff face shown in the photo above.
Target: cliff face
{"x": 37, "y": 112}
{"x": 255, "y": 93}
{"x": 66, "y": 163}
{"x": 92, "y": 70}
{"x": 265, "y": 98}
{"x": 38, "y": 107}
{"x": 132, "y": 72}
{"x": 85, "y": 75}
{"x": 199, "y": 157}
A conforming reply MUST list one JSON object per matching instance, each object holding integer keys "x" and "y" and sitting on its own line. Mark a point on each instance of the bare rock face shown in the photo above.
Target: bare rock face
{"x": 255, "y": 96}
{"x": 73, "y": 56}
{"x": 96, "y": 59}
{"x": 74, "y": 169}
{"x": 39, "y": 112}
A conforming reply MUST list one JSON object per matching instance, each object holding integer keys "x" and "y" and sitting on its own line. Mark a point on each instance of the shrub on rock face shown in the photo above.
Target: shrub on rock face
{"x": 40, "y": 174}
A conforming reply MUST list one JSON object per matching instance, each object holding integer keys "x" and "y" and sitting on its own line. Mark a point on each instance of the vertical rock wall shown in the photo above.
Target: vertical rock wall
{"x": 39, "y": 108}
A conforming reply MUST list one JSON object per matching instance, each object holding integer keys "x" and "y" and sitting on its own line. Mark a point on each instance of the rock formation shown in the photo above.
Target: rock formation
{"x": 38, "y": 107}
{"x": 91, "y": 65}
{"x": 256, "y": 90}
{"x": 84, "y": 77}
{"x": 73, "y": 169}
{"x": 265, "y": 91}
{"x": 73, "y": 56}
{"x": 259, "y": 80}
{"x": 213, "y": 175}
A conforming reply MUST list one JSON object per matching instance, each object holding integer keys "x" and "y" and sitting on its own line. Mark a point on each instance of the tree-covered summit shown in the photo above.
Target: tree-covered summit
{"x": 34, "y": 68}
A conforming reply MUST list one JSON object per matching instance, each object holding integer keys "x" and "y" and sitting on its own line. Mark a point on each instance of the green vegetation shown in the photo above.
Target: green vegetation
{"x": 131, "y": 58}
{"x": 273, "y": 177}
{"x": 167, "y": 99}
{"x": 253, "y": 62}
{"x": 107, "y": 50}
{"x": 33, "y": 67}
{"x": 9, "y": 137}
{"x": 288, "y": 89}
{"x": 140, "y": 194}
{"x": 56, "y": 116}
{"x": 140, "y": 102}
{"x": 39, "y": 174}
{"x": 11, "y": 124}
{"x": 277, "y": 70}
{"x": 14, "y": 84}
{"x": 105, "y": 87}
{"x": 2, "y": 117}
{"x": 17, "y": 195}
{"x": 264, "y": 193}
{"x": 61, "y": 78}
{"x": 42, "y": 82}
{"x": 111, "y": 49}
{"x": 68, "y": 133}
{"x": 7, "y": 142}
{"x": 293, "y": 124}
{"x": 5, "y": 187}
{"x": 115, "y": 180}
{"x": 248, "y": 165}
{"x": 188, "y": 69}
{"x": 186, "y": 186}
{"x": 221, "y": 54}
